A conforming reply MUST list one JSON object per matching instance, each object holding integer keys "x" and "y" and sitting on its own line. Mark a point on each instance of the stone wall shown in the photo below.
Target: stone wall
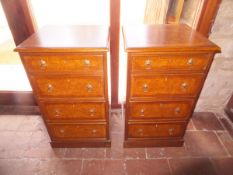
{"x": 219, "y": 83}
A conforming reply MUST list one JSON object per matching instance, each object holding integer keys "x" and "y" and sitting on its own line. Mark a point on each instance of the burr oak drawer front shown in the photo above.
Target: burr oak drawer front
{"x": 178, "y": 62}
{"x": 73, "y": 110}
{"x": 63, "y": 63}
{"x": 68, "y": 86}
{"x": 77, "y": 131}
{"x": 166, "y": 85}
{"x": 161, "y": 109}
{"x": 152, "y": 130}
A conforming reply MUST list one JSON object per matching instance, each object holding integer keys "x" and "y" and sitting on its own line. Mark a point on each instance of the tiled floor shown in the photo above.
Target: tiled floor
{"x": 25, "y": 149}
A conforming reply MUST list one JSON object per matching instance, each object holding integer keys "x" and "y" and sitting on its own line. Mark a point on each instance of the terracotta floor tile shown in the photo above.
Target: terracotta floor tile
{"x": 117, "y": 140}
{"x": 116, "y": 151}
{"x": 18, "y": 166}
{"x": 10, "y": 122}
{"x": 176, "y": 152}
{"x": 39, "y": 147}
{"x": 93, "y": 153}
{"x": 59, "y": 167}
{"x": 206, "y": 121}
{"x": 147, "y": 167}
{"x": 166, "y": 152}
{"x": 190, "y": 125}
{"x": 92, "y": 167}
{"x": 203, "y": 143}
{"x": 116, "y": 123}
{"x": 227, "y": 125}
{"x": 74, "y": 153}
{"x": 103, "y": 167}
{"x": 134, "y": 153}
{"x": 114, "y": 167}
{"x": 192, "y": 166}
{"x": 86, "y": 153}
{"x": 45, "y": 152}
{"x": 13, "y": 144}
{"x": 224, "y": 166}
{"x": 153, "y": 153}
{"x": 227, "y": 141}
{"x": 32, "y": 123}
{"x": 25, "y": 149}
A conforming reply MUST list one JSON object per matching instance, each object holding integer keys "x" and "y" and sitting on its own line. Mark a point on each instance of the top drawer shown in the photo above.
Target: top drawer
{"x": 63, "y": 63}
{"x": 196, "y": 62}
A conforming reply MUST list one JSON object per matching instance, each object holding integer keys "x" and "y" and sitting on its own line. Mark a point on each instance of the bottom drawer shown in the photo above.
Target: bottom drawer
{"x": 150, "y": 130}
{"x": 77, "y": 131}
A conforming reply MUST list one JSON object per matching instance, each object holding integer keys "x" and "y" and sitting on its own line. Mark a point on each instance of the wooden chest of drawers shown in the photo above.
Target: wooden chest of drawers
{"x": 167, "y": 67}
{"x": 67, "y": 69}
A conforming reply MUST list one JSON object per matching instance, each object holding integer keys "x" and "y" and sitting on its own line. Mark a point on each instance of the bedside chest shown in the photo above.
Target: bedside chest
{"x": 167, "y": 67}
{"x": 67, "y": 69}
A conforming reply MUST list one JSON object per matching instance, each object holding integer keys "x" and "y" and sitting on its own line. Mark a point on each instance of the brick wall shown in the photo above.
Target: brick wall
{"x": 219, "y": 84}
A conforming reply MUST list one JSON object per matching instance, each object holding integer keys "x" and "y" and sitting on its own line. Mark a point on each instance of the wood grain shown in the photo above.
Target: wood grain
{"x": 63, "y": 63}
{"x": 70, "y": 111}
{"x": 63, "y": 39}
{"x": 207, "y": 16}
{"x": 160, "y": 110}
{"x": 176, "y": 62}
{"x": 114, "y": 50}
{"x": 169, "y": 37}
{"x": 167, "y": 67}
{"x": 67, "y": 69}
{"x": 20, "y": 19}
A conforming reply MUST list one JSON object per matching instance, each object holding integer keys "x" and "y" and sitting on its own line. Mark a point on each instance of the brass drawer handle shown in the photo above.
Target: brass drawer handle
{"x": 142, "y": 112}
{"x": 62, "y": 131}
{"x": 171, "y": 130}
{"x": 50, "y": 88}
{"x": 190, "y": 62}
{"x": 87, "y": 62}
{"x": 43, "y": 63}
{"x": 177, "y": 110}
{"x": 145, "y": 87}
{"x": 94, "y": 131}
{"x": 92, "y": 111}
{"x": 89, "y": 87}
{"x": 184, "y": 85}
{"x": 57, "y": 112}
{"x": 148, "y": 63}
{"x": 140, "y": 132}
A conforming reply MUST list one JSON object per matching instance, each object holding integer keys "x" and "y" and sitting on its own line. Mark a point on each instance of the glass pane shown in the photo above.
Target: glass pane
{"x": 71, "y": 12}
{"x": 132, "y": 13}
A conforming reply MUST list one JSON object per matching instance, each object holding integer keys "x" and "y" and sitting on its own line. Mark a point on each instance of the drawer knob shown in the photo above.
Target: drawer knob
{"x": 156, "y": 125}
{"x": 94, "y": 131}
{"x": 57, "y": 112}
{"x": 145, "y": 87}
{"x": 184, "y": 85}
{"x": 142, "y": 112}
{"x": 148, "y": 63}
{"x": 87, "y": 62}
{"x": 62, "y": 131}
{"x": 140, "y": 132}
{"x": 177, "y": 110}
{"x": 89, "y": 87}
{"x": 92, "y": 111}
{"x": 50, "y": 88}
{"x": 42, "y": 63}
{"x": 171, "y": 130}
{"x": 190, "y": 62}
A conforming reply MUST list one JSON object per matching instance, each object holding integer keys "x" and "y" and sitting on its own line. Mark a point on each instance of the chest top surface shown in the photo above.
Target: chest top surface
{"x": 67, "y": 38}
{"x": 165, "y": 37}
